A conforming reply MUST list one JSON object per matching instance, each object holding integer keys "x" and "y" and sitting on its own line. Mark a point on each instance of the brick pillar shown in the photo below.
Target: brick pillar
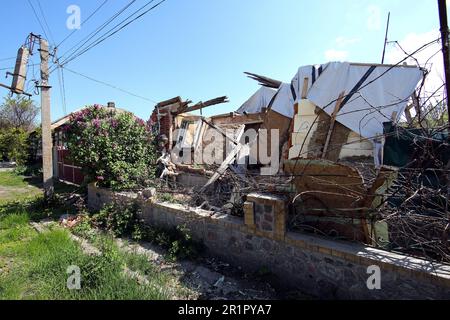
{"x": 266, "y": 214}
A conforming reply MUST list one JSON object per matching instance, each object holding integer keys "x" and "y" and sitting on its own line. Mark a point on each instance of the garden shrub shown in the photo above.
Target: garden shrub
{"x": 113, "y": 148}
{"x": 122, "y": 219}
{"x": 13, "y": 145}
{"x": 119, "y": 218}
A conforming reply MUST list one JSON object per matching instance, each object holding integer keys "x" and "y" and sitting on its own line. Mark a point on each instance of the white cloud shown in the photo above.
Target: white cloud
{"x": 336, "y": 55}
{"x": 345, "y": 41}
{"x": 374, "y": 18}
{"x": 430, "y": 58}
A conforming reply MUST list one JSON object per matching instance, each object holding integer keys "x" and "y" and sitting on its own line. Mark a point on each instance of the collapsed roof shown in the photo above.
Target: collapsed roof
{"x": 372, "y": 93}
{"x": 258, "y": 101}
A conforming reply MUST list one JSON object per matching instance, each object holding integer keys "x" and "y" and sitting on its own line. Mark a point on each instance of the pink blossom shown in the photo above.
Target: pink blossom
{"x": 140, "y": 121}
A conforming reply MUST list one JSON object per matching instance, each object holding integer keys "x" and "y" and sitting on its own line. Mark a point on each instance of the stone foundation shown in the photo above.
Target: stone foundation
{"x": 314, "y": 265}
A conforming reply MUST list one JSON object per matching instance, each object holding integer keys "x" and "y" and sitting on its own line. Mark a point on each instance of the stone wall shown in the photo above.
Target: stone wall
{"x": 314, "y": 265}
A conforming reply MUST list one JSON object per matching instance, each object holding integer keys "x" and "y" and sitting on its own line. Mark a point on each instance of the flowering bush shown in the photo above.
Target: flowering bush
{"x": 113, "y": 148}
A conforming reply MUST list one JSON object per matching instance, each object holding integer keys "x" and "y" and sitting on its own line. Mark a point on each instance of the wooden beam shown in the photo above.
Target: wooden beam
{"x": 201, "y": 105}
{"x": 228, "y": 160}
{"x": 337, "y": 107}
{"x": 408, "y": 115}
{"x": 394, "y": 116}
{"x": 169, "y": 102}
{"x": 264, "y": 81}
{"x": 305, "y": 88}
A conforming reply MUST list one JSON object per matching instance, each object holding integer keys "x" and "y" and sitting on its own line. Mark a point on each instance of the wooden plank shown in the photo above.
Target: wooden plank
{"x": 228, "y": 160}
{"x": 337, "y": 107}
{"x": 223, "y": 167}
{"x": 169, "y": 102}
{"x": 201, "y": 105}
{"x": 408, "y": 116}
{"x": 305, "y": 88}
{"x": 264, "y": 81}
{"x": 394, "y": 116}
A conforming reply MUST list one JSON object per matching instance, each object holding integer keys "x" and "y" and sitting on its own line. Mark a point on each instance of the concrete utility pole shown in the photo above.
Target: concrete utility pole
{"x": 47, "y": 143}
{"x": 445, "y": 48}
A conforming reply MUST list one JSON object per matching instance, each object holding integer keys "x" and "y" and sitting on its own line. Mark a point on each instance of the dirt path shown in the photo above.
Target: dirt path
{"x": 208, "y": 278}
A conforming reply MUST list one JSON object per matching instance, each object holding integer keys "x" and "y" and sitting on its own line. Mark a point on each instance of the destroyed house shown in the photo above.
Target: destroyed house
{"x": 330, "y": 120}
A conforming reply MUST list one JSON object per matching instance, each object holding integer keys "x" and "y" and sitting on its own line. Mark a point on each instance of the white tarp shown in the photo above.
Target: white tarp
{"x": 382, "y": 90}
{"x": 259, "y": 100}
{"x": 284, "y": 101}
{"x": 310, "y": 72}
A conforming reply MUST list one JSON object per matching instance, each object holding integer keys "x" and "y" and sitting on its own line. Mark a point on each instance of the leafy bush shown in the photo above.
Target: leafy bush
{"x": 119, "y": 218}
{"x": 166, "y": 197}
{"x": 13, "y": 145}
{"x": 122, "y": 219}
{"x": 113, "y": 148}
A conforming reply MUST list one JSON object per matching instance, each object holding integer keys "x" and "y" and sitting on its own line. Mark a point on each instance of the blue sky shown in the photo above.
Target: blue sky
{"x": 199, "y": 49}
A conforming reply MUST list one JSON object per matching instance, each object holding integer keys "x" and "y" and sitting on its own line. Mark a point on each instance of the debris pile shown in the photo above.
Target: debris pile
{"x": 333, "y": 156}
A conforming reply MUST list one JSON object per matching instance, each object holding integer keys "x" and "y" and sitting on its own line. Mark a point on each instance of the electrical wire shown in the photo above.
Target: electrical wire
{"x": 77, "y": 46}
{"x": 109, "y": 85}
{"x": 37, "y": 18}
{"x": 61, "y": 92}
{"x": 86, "y": 20}
{"x": 10, "y": 68}
{"x": 5, "y": 59}
{"x": 45, "y": 22}
{"x": 113, "y": 32}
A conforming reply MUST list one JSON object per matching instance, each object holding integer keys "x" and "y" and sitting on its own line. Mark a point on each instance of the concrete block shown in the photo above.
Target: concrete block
{"x": 249, "y": 215}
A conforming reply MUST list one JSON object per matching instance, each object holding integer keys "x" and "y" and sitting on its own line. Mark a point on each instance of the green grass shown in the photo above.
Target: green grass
{"x": 15, "y": 188}
{"x": 34, "y": 265}
{"x": 10, "y": 179}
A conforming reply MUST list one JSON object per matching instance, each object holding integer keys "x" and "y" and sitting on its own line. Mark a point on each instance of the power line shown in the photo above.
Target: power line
{"x": 96, "y": 31}
{"x": 5, "y": 59}
{"x": 106, "y": 35}
{"x": 109, "y": 85}
{"x": 45, "y": 22}
{"x": 9, "y": 68}
{"x": 62, "y": 90}
{"x": 37, "y": 18}
{"x": 87, "y": 19}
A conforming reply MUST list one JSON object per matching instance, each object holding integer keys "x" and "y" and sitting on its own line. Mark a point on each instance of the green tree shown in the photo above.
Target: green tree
{"x": 18, "y": 113}
{"x": 13, "y": 145}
